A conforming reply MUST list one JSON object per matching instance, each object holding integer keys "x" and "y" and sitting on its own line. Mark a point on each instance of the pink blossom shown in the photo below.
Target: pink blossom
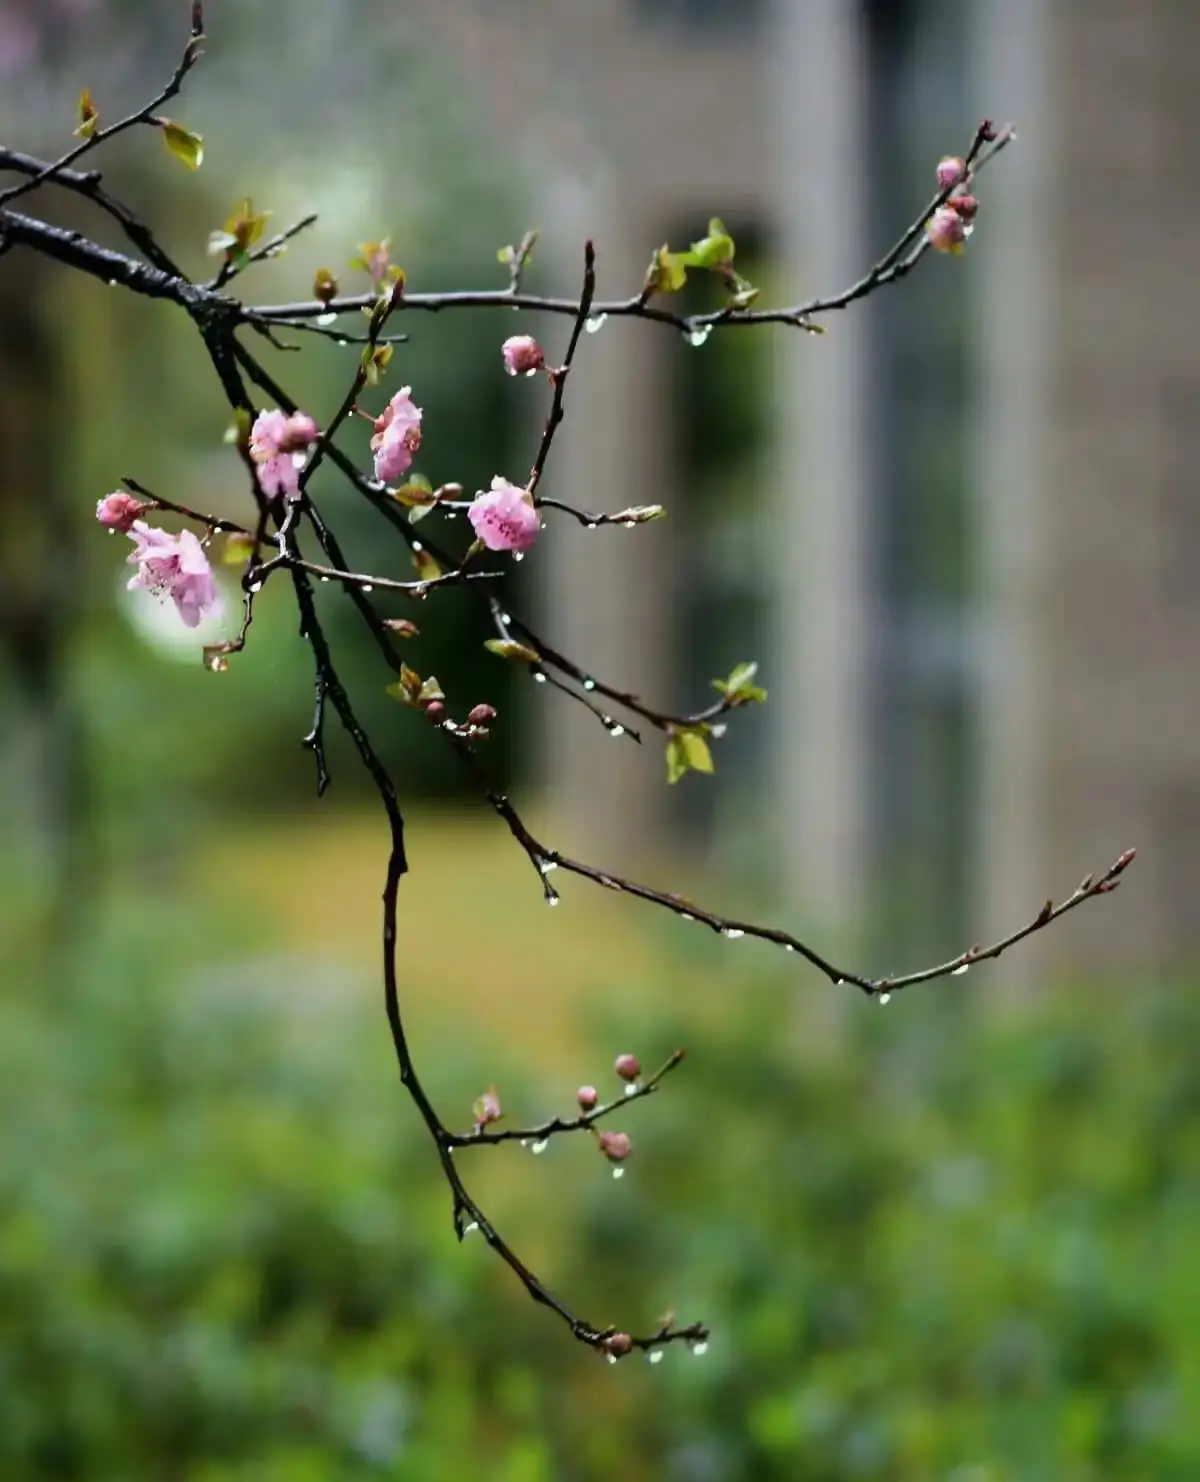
{"x": 504, "y": 518}
{"x": 587, "y": 1097}
{"x": 118, "y": 510}
{"x": 523, "y": 356}
{"x": 619, "y": 1344}
{"x": 278, "y": 443}
{"x": 950, "y": 171}
{"x": 397, "y": 436}
{"x": 174, "y": 566}
{"x": 946, "y": 230}
{"x": 627, "y": 1067}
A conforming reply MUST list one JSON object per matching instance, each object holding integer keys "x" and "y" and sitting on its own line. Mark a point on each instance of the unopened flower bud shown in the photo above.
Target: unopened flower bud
{"x": 298, "y": 432}
{"x": 118, "y": 510}
{"x": 480, "y": 715}
{"x": 965, "y": 204}
{"x": 987, "y": 131}
{"x": 588, "y": 1097}
{"x": 522, "y": 355}
{"x": 615, "y": 1146}
{"x": 619, "y": 1344}
{"x": 950, "y": 171}
{"x": 627, "y": 1067}
{"x": 947, "y": 232}
{"x": 435, "y": 712}
{"x": 487, "y": 1107}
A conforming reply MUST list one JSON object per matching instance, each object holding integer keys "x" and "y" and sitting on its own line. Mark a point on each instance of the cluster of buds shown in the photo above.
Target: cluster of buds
{"x": 952, "y": 223}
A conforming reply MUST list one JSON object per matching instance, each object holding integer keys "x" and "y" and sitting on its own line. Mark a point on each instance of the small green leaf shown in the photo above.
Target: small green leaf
{"x": 426, "y": 567}
{"x": 695, "y": 749}
{"x": 430, "y": 690}
{"x": 408, "y": 687}
{"x": 238, "y": 550}
{"x": 509, "y": 648}
{"x": 667, "y": 272}
{"x": 416, "y": 489}
{"x": 687, "y": 751}
{"x": 187, "y": 147}
{"x": 714, "y": 251}
{"x": 640, "y": 514}
{"x": 738, "y": 689}
{"x": 375, "y": 360}
{"x": 676, "y": 759}
{"x": 89, "y": 119}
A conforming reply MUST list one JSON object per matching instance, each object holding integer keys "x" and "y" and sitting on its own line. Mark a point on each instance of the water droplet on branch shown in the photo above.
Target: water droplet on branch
{"x": 596, "y": 322}
{"x": 540, "y": 1146}
{"x": 655, "y": 1355}
{"x": 731, "y": 933}
{"x": 699, "y": 335}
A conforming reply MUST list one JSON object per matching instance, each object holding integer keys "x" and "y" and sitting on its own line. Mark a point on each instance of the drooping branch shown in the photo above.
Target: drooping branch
{"x": 273, "y": 545}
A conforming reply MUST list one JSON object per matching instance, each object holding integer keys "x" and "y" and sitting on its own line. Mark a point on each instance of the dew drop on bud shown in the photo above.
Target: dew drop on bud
{"x": 589, "y": 685}
{"x": 546, "y": 865}
{"x": 958, "y": 971}
{"x": 787, "y": 947}
{"x": 699, "y": 1349}
{"x": 255, "y": 586}
{"x": 631, "y": 1090}
{"x": 471, "y": 1228}
{"x": 612, "y": 1358}
{"x": 655, "y": 1355}
{"x": 596, "y": 322}
{"x": 518, "y": 555}
{"x": 617, "y": 731}
{"x": 540, "y": 1146}
{"x": 685, "y": 916}
{"x": 326, "y": 578}
{"x": 618, "y": 1173}
{"x": 539, "y": 679}
{"x": 524, "y": 1142}
{"x": 699, "y": 335}
{"x": 341, "y": 341}
{"x": 367, "y": 587}
{"x": 884, "y": 998}
{"x": 731, "y": 933}
{"x": 552, "y": 897}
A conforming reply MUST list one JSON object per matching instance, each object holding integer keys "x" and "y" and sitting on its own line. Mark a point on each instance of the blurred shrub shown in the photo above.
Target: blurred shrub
{"x": 941, "y": 1252}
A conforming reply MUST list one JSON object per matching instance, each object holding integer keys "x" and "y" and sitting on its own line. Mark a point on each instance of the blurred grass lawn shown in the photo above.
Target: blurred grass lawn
{"x": 479, "y": 945}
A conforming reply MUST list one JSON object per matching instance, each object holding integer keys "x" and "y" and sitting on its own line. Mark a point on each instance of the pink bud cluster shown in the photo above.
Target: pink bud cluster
{"x": 950, "y": 225}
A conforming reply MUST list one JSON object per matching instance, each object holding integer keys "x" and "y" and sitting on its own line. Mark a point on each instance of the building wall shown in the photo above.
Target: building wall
{"x": 1085, "y": 454}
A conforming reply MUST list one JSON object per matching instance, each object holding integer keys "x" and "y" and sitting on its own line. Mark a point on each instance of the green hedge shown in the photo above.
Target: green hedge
{"x": 936, "y": 1252}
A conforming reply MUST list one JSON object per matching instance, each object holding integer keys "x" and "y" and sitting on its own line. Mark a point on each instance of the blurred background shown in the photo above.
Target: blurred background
{"x": 950, "y": 1240}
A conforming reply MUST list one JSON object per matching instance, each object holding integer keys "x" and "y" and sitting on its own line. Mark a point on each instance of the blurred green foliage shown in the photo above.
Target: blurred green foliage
{"x": 932, "y": 1250}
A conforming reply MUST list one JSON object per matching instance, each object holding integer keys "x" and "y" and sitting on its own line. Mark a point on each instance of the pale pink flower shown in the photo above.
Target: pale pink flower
{"x": 504, "y": 518}
{"x": 950, "y": 171}
{"x": 118, "y": 510}
{"x": 522, "y": 355}
{"x": 587, "y": 1096}
{"x": 278, "y": 445}
{"x": 946, "y": 230}
{"x": 627, "y": 1067}
{"x": 174, "y": 566}
{"x": 397, "y": 436}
